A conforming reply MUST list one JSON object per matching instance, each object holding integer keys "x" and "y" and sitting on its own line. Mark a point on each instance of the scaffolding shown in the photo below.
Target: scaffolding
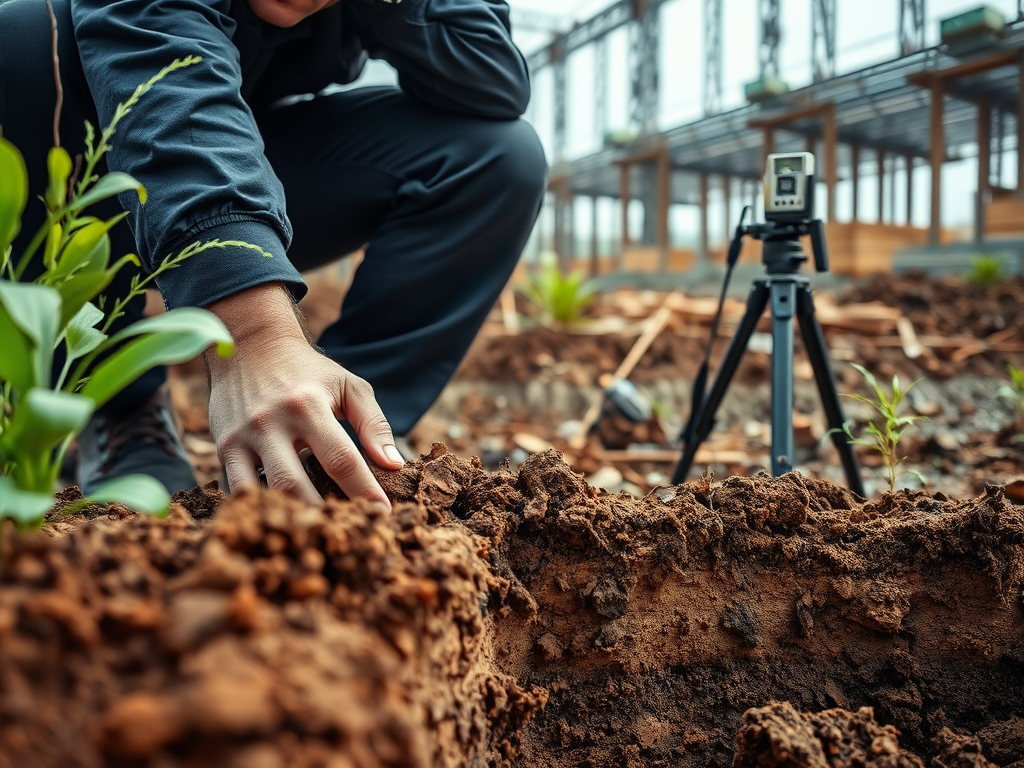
{"x": 925, "y": 108}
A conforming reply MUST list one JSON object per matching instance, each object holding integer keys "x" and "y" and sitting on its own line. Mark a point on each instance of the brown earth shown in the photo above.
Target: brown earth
{"x": 525, "y": 618}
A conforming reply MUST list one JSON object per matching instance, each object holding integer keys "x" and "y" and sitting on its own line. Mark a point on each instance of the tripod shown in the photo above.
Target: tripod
{"x": 789, "y": 296}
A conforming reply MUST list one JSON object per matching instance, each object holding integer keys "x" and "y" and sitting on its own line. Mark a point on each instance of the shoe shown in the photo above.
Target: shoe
{"x": 143, "y": 441}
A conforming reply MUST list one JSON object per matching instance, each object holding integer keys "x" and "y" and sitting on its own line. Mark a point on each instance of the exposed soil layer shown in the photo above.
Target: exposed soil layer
{"x": 522, "y": 617}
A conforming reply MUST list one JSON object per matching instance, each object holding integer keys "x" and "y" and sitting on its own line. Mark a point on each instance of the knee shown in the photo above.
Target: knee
{"x": 520, "y": 169}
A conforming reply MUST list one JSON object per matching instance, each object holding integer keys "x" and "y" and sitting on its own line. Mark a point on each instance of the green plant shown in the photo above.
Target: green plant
{"x": 1016, "y": 390}
{"x": 561, "y": 298}
{"x": 986, "y": 271}
{"x": 42, "y": 410}
{"x": 884, "y": 436}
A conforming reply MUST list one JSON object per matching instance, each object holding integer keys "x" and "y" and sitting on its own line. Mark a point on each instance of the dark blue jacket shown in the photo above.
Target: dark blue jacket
{"x": 193, "y": 140}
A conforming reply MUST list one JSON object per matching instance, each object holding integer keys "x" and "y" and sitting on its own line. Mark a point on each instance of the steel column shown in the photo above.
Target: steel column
{"x": 644, "y": 62}
{"x": 601, "y": 87}
{"x": 771, "y": 34}
{"x": 558, "y": 73}
{"x": 984, "y": 167}
{"x": 911, "y": 26}
{"x": 712, "y": 57}
{"x": 823, "y": 39}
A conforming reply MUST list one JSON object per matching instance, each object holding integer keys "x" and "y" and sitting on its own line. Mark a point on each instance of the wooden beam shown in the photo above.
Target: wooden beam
{"x": 910, "y": 189}
{"x": 727, "y": 195}
{"x": 831, "y": 160}
{"x": 703, "y": 256}
{"x": 664, "y": 201}
{"x": 984, "y": 158}
{"x": 1020, "y": 128}
{"x": 855, "y": 180}
{"x": 767, "y": 146}
{"x": 624, "y": 194}
{"x": 937, "y": 142}
{"x": 880, "y": 158}
{"x": 811, "y": 110}
{"x": 974, "y": 67}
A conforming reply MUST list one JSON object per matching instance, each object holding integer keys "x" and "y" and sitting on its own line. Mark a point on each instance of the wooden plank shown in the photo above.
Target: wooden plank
{"x": 938, "y": 151}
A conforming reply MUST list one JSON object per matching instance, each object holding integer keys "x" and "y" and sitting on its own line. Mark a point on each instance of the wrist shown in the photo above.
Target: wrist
{"x": 257, "y": 317}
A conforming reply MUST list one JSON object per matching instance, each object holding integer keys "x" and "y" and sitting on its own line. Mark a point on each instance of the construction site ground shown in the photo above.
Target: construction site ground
{"x": 531, "y": 604}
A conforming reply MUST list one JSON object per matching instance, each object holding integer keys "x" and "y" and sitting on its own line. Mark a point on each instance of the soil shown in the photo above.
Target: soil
{"x": 521, "y": 617}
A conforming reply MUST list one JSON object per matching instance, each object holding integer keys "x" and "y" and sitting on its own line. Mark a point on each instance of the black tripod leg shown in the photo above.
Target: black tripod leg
{"x": 783, "y": 296}
{"x": 702, "y": 422}
{"x": 814, "y": 345}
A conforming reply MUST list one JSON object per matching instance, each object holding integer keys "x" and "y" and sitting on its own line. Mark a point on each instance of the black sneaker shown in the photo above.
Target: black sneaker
{"x": 140, "y": 442}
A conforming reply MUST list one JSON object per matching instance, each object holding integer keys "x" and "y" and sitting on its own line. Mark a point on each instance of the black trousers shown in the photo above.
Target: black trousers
{"x": 444, "y": 203}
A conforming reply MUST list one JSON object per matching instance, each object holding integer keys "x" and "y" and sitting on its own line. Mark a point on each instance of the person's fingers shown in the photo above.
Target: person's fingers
{"x": 239, "y": 468}
{"x": 285, "y": 472}
{"x": 340, "y": 458}
{"x": 368, "y": 420}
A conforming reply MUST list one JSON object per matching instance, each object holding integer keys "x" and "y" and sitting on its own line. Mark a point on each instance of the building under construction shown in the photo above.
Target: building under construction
{"x": 927, "y": 107}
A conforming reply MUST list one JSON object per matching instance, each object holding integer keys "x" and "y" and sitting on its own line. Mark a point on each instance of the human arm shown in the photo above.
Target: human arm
{"x": 456, "y": 55}
{"x": 191, "y": 140}
{"x": 262, "y": 411}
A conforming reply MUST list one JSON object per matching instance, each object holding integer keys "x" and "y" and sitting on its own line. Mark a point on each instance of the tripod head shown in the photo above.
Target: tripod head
{"x": 782, "y": 252}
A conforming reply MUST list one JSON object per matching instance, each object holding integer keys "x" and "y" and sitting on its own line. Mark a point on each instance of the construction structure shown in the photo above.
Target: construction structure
{"x": 927, "y": 107}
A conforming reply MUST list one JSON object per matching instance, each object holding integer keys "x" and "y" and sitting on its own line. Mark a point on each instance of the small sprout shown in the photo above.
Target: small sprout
{"x": 1015, "y": 389}
{"x": 884, "y": 436}
{"x": 560, "y": 298}
{"x": 986, "y": 271}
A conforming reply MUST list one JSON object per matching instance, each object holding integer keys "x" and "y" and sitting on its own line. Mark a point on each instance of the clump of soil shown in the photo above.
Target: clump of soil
{"x": 522, "y": 616}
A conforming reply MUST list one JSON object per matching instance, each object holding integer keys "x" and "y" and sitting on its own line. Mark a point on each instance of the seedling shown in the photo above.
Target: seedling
{"x": 42, "y": 411}
{"x": 1016, "y": 390}
{"x": 884, "y": 436}
{"x": 986, "y": 271}
{"x": 561, "y": 298}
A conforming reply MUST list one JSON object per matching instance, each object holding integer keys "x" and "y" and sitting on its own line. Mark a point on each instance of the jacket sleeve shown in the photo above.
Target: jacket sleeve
{"x": 191, "y": 140}
{"x": 454, "y": 54}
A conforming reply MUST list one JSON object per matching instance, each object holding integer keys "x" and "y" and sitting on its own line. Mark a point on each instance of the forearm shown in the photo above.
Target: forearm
{"x": 190, "y": 140}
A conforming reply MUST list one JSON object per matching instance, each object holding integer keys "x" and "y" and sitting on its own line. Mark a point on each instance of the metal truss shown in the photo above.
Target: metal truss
{"x": 558, "y": 72}
{"x": 823, "y": 39}
{"x": 535, "y": 21}
{"x": 771, "y": 34}
{"x": 713, "y": 56}
{"x": 601, "y": 86}
{"x": 643, "y": 50}
{"x": 911, "y": 26}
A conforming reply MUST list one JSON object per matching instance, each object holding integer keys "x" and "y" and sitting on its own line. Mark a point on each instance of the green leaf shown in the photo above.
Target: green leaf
{"x": 113, "y": 183}
{"x": 82, "y": 336}
{"x": 139, "y": 492}
{"x": 13, "y": 192}
{"x": 87, "y": 251}
{"x": 58, "y": 162}
{"x": 76, "y": 291}
{"x": 22, "y": 506}
{"x": 43, "y": 419}
{"x": 172, "y": 337}
{"x": 16, "y": 361}
{"x": 35, "y": 310}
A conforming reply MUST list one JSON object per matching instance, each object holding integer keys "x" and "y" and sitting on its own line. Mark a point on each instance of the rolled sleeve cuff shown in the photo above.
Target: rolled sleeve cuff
{"x": 222, "y": 271}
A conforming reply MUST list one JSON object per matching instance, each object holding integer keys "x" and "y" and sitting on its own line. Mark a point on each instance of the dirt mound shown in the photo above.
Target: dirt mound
{"x": 279, "y": 635}
{"x": 946, "y": 306}
{"x": 518, "y": 614}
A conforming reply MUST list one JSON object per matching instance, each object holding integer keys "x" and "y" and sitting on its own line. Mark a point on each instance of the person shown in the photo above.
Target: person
{"x": 439, "y": 177}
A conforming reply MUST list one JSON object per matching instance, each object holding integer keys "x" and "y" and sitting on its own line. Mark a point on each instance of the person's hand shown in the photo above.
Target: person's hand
{"x": 277, "y": 395}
